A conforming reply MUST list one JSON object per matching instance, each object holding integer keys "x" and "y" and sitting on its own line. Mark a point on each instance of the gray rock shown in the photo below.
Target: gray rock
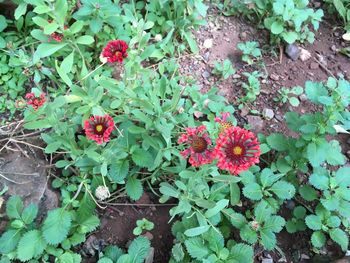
{"x": 256, "y": 123}
{"x": 206, "y": 56}
{"x": 236, "y": 76}
{"x": 150, "y": 256}
{"x": 243, "y": 36}
{"x": 244, "y": 111}
{"x": 303, "y": 97}
{"x": 205, "y": 74}
{"x": 267, "y": 260}
{"x": 274, "y": 76}
{"x": 292, "y": 51}
{"x": 268, "y": 114}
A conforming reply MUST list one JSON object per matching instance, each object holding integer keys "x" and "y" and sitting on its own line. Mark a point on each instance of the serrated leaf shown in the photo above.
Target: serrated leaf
{"x": 139, "y": 249}
{"x": 31, "y": 245}
{"x": 9, "y": 240}
{"x": 319, "y": 181}
{"x": 268, "y": 239}
{"x": 318, "y": 239}
{"x": 14, "y": 207}
{"x": 248, "y": 234}
{"x": 308, "y": 193}
{"x": 342, "y": 176}
{"x": 277, "y": 141}
{"x": 89, "y": 224}
{"x": 56, "y": 226}
{"x": 241, "y": 253}
{"x": 313, "y": 222}
{"x": 142, "y": 158}
{"x": 177, "y": 252}
{"x": 237, "y": 220}
{"x": 283, "y": 189}
{"x": 196, "y": 248}
{"x": 299, "y": 212}
{"x": 119, "y": 170}
{"x": 134, "y": 188}
{"x": 217, "y": 208}
{"x": 340, "y": 237}
{"x": 253, "y": 191}
{"x": 274, "y": 224}
{"x": 30, "y": 213}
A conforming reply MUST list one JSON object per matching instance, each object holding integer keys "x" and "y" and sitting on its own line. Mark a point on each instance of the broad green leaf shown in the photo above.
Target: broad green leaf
{"x": 217, "y": 208}
{"x": 277, "y": 27}
{"x": 277, "y": 141}
{"x": 196, "y": 231}
{"x": 253, "y": 191}
{"x": 9, "y": 240}
{"x": 340, "y": 237}
{"x": 268, "y": 239}
{"x": 30, "y": 213}
{"x": 307, "y": 192}
{"x": 313, "y": 222}
{"x": 248, "y": 234}
{"x": 318, "y": 239}
{"x": 14, "y": 207}
{"x": 31, "y": 245}
{"x": 134, "y": 188}
{"x": 85, "y": 40}
{"x": 56, "y": 226}
{"x": 196, "y": 248}
{"x": 46, "y": 49}
{"x": 283, "y": 189}
{"x": 342, "y": 176}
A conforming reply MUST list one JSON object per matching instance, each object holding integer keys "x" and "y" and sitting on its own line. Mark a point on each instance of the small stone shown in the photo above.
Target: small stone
{"x": 279, "y": 117}
{"x": 336, "y": 34}
{"x": 304, "y": 54}
{"x": 294, "y": 69}
{"x": 348, "y": 154}
{"x": 198, "y": 114}
{"x": 267, "y": 260}
{"x": 304, "y": 256}
{"x": 236, "y": 76}
{"x": 256, "y": 123}
{"x": 148, "y": 235}
{"x": 317, "y": 4}
{"x": 346, "y": 36}
{"x": 243, "y": 36}
{"x": 274, "y": 76}
{"x": 205, "y": 74}
{"x": 208, "y": 43}
{"x": 292, "y": 51}
{"x": 206, "y": 56}
{"x": 334, "y": 48}
{"x": 303, "y": 97}
{"x": 290, "y": 204}
{"x": 314, "y": 65}
{"x": 263, "y": 81}
{"x": 244, "y": 111}
{"x": 268, "y": 114}
{"x": 150, "y": 256}
{"x": 265, "y": 91}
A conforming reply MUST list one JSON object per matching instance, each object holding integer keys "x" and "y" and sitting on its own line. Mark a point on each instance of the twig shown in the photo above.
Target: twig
{"x": 324, "y": 67}
{"x": 129, "y": 204}
{"x": 12, "y": 181}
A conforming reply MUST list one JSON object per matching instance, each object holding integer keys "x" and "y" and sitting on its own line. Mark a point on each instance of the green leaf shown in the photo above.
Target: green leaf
{"x": 262, "y": 211}
{"x": 290, "y": 37}
{"x": 9, "y": 240}
{"x": 313, "y": 222}
{"x": 319, "y": 181}
{"x": 46, "y": 49}
{"x": 220, "y": 205}
{"x": 191, "y": 42}
{"x": 3, "y": 23}
{"x": 31, "y": 245}
{"x": 119, "y": 170}
{"x": 340, "y": 237}
{"x": 14, "y": 207}
{"x": 142, "y": 158}
{"x": 318, "y": 239}
{"x": 168, "y": 190}
{"x": 177, "y": 252}
{"x": 277, "y": 27}
{"x": 316, "y": 153}
{"x": 274, "y": 224}
{"x": 85, "y": 40}
{"x": 241, "y": 253}
{"x": 248, "y": 234}
{"x": 40, "y": 124}
{"x": 56, "y": 226}
{"x": 277, "y": 141}
{"x": 105, "y": 260}
{"x": 67, "y": 63}
{"x": 268, "y": 239}
{"x": 267, "y": 177}
{"x": 196, "y": 248}
{"x": 196, "y": 231}
{"x": 342, "y": 176}
{"x": 30, "y": 213}
{"x": 139, "y": 249}
{"x": 294, "y": 101}
{"x": 237, "y": 220}
{"x": 253, "y": 191}
{"x": 134, "y": 188}
{"x": 299, "y": 212}
{"x": 308, "y": 193}
{"x": 90, "y": 224}
{"x": 283, "y": 190}
{"x": 333, "y": 221}
{"x": 20, "y": 10}
{"x": 235, "y": 194}
{"x": 331, "y": 203}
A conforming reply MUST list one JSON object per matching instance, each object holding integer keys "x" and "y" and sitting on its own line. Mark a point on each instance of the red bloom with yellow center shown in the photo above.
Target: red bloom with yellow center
{"x": 99, "y": 128}
{"x": 35, "y": 102}
{"x": 222, "y": 120}
{"x": 115, "y": 51}
{"x": 198, "y": 142}
{"x": 236, "y": 150}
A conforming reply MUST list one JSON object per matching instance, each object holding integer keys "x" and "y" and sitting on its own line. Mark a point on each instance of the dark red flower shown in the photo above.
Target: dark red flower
{"x": 236, "y": 150}
{"x": 56, "y": 36}
{"x": 34, "y": 101}
{"x": 115, "y": 51}
{"x": 198, "y": 141}
{"x": 99, "y": 128}
{"x": 222, "y": 120}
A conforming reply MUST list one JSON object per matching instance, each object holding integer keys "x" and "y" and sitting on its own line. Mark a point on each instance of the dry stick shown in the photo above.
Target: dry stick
{"x": 129, "y": 204}
{"x": 18, "y": 173}
{"x": 324, "y": 67}
{"x": 12, "y": 181}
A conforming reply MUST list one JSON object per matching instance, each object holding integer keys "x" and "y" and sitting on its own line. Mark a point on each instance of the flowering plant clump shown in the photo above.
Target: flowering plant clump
{"x": 115, "y": 51}
{"x": 99, "y": 128}
{"x": 199, "y": 142}
{"x": 35, "y": 102}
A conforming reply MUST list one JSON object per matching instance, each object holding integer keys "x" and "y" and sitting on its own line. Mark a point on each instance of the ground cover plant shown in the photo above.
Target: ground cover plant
{"x": 101, "y": 85}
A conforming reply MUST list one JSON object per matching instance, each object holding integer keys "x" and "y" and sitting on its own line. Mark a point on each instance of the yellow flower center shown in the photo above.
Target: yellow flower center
{"x": 99, "y": 127}
{"x": 237, "y": 150}
{"x": 224, "y": 125}
{"x": 117, "y": 53}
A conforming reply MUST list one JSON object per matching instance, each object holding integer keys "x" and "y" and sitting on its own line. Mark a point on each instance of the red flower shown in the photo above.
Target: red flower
{"x": 56, "y": 36}
{"x": 99, "y": 128}
{"x": 115, "y": 51}
{"x": 236, "y": 150}
{"x": 222, "y": 120}
{"x": 198, "y": 141}
{"x": 35, "y": 102}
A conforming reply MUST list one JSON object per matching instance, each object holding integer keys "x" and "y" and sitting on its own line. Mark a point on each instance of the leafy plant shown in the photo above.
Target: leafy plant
{"x": 137, "y": 252}
{"x": 252, "y": 88}
{"x": 142, "y": 225}
{"x": 297, "y": 223}
{"x": 250, "y": 50}
{"x": 225, "y": 69}
{"x": 284, "y": 95}
{"x": 342, "y": 7}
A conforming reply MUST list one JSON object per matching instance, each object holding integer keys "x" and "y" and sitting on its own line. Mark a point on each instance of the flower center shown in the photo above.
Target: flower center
{"x": 237, "y": 150}
{"x": 199, "y": 145}
{"x": 224, "y": 125}
{"x": 118, "y": 53}
{"x": 99, "y": 127}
